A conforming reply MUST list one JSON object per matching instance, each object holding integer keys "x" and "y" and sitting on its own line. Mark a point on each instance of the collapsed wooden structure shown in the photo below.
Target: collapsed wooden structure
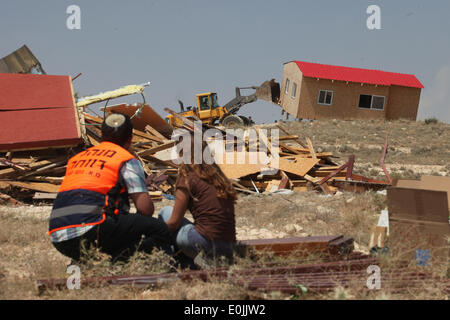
{"x": 36, "y": 174}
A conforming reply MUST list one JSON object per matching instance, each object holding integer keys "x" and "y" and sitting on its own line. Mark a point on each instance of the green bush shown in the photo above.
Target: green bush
{"x": 431, "y": 121}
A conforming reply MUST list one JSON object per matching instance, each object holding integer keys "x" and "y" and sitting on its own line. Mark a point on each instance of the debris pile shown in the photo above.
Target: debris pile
{"x": 37, "y": 174}
{"x": 300, "y": 168}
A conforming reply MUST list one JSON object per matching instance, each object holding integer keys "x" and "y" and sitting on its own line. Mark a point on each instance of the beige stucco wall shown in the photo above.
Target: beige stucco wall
{"x": 400, "y": 102}
{"x": 293, "y": 73}
{"x": 403, "y": 103}
{"x": 345, "y": 100}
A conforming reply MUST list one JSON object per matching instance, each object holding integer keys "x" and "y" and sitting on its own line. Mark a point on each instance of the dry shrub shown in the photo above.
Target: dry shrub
{"x": 95, "y": 263}
{"x": 358, "y": 217}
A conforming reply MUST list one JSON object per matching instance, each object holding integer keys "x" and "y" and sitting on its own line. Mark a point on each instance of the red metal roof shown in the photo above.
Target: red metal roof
{"x": 323, "y": 71}
{"x": 37, "y": 111}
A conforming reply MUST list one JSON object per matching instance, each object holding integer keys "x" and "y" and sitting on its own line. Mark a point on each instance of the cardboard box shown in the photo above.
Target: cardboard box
{"x": 419, "y": 220}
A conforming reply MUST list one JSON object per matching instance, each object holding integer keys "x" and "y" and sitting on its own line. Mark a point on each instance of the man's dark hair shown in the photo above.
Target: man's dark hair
{"x": 117, "y": 128}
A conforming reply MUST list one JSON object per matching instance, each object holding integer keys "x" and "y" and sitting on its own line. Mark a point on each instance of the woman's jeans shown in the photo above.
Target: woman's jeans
{"x": 191, "y": 242}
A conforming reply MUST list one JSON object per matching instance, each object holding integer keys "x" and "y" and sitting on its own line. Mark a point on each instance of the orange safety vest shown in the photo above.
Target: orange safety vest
{"x": 91, "y": 173}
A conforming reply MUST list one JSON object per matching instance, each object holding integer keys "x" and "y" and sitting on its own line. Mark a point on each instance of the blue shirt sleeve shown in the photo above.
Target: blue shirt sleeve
{"x": 134, "y": 176}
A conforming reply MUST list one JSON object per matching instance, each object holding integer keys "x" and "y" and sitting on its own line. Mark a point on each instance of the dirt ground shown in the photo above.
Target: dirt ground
{"x": 415, "y": 148}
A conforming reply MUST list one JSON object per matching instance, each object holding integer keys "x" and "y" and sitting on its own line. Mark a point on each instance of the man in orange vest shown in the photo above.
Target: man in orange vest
{"x": 92, "y": 205}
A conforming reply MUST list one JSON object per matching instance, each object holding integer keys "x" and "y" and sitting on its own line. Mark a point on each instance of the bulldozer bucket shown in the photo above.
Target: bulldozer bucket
{"x": 269, "y": 91}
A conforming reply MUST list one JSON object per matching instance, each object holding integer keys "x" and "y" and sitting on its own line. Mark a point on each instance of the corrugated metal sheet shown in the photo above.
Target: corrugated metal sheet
{"x": 324, "y": 71}
{"x": 21, "y": 61}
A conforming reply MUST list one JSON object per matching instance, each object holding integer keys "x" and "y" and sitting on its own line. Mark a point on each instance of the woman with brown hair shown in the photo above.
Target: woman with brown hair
{"x": 207, "y": 193}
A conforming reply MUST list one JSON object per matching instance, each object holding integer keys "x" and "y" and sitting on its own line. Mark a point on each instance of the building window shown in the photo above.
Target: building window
{"x": 367, "y": 101}
{"x": 294, "y": 89}
{"x": 286, "y": 90}
{"x": 325, "y": 97}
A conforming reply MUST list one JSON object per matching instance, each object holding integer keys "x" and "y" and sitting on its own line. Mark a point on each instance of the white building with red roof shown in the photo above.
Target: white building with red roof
{"x": 319, "y": 91}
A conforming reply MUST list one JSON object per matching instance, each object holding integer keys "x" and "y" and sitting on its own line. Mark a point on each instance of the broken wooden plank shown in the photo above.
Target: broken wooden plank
{"x": 296, "y": 164}
{"x": 147, "y": 116}
{"x": 13, "y": 165}
{"x": 145, "y": 135}
{"x": 156, "y": 149}
{"x": 273, "y": 185}
{"x": 311, "y": 148}
{"x": 285, "y": 181}
{"x": 53, "y": 180}
{"x": 233, "y": 168}
{"x": 291, "y": 137}
{"x": 35, "y": 186}
{"x": 334, "y": 173}
{"x": 52, "y": 166}
{"x": 297, "y": 139}
{"x": 45, "y": 196}
{"x": 300, "y": 245}
{"x": 154, "y": 132}
{"x": 8, "y": 199}
{"x": 273, "y": 149}
{"x": 35, "y": 165}
{"x": 163, "y": 162}
{"x": 289, "y": 148}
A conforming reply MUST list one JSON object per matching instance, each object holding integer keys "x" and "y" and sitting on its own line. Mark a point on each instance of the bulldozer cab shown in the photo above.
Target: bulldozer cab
{"x": 208, "y": 107}
{"x": 207, "y": 101}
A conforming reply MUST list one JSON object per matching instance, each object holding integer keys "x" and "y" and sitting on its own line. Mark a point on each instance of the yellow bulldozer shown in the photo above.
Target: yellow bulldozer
{"x": 209, "y": 111}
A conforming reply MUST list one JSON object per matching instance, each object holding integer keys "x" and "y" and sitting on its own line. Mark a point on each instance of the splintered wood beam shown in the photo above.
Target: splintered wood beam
{"x": 285, "y": 181}
{"x": 289, "y": 148}
{"x": 273, "y": 150}
{"x": 301, "y": 245}
{"x": 351, "y": 161}
{"x": 297, "y": 139}
{"x": 52, "y": 166}
{"x": 35, "y": 186}
{"x": 325, "y": 188}
{"x": 311, "y": 148}
{"x": 45, "y": 196}
{"x": 9, "y": 199}
{"x": 187, "y": 122}
{"x": 344, "y": 166}
{"x": 383, "y": 157}
{"x": 155, "y": 132}
{"x": 35, "y": 165}
{"x": 283, "y": 138}
{"x": 156, "y": 149}
{"x": 9, "y": 163}
{"x": 145, "y": 135}
{"x": 163, "y": 162}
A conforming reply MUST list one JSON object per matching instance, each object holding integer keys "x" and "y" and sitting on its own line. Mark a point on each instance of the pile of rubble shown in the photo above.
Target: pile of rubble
{"x": 36, "y": 174}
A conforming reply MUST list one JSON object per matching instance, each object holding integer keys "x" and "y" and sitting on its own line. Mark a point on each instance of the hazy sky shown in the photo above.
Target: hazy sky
{"x": 187, "y": 47}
